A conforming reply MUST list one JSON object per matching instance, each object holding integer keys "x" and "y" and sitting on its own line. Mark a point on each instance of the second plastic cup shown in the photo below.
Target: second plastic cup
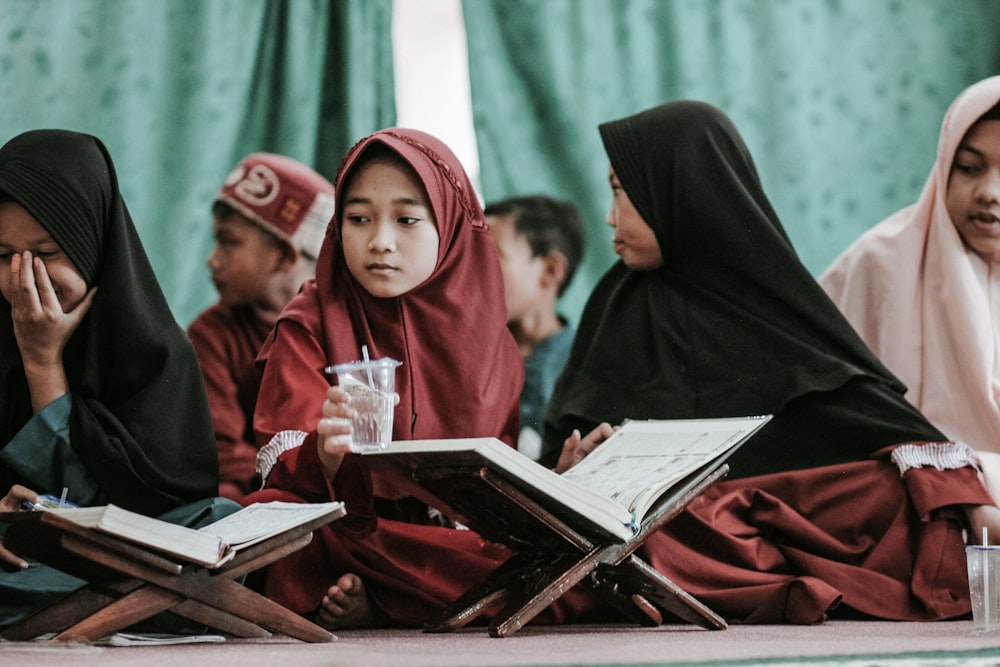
{"x": 371, "y": 385}
{"x": 984, "y": 586}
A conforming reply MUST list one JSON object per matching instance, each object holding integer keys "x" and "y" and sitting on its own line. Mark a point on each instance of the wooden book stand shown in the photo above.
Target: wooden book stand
{"x": 553, "y": 552}
{"x": 127, "y": 584}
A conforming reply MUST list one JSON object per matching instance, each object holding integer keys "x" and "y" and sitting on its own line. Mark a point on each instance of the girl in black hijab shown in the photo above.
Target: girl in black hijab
{"x": 723, "y": 320}
{"x": 100, "y": 390}
{"x": 709, "y": 313}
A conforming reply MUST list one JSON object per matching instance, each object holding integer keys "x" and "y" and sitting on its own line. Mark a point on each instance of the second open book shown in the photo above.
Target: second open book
{"x": 614, "y": 487}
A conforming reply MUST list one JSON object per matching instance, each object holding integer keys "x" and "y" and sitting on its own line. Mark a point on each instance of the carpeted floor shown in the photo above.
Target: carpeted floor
{"x": 842, "y": 643}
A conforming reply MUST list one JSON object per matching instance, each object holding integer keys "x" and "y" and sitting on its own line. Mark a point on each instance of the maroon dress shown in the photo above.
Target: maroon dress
{"x": 461, "y": 375}
{"x": 227, "y": 341}
{"x": 792, "y": 547}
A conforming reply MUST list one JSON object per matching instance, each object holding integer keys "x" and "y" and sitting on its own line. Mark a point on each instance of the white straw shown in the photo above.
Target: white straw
{"x": 371, "y": 378}
{"x": 987, "y": 596}
{"x": 62, "y": 500}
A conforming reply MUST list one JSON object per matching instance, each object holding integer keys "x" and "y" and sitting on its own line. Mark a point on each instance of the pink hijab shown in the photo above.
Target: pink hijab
{"x": 927, "y": 305}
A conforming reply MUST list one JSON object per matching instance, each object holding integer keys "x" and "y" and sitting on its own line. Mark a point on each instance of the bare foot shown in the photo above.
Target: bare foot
{"x": 347, "y": 605}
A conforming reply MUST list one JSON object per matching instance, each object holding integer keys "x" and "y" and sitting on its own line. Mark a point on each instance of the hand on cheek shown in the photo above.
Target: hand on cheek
{"x": 40, "y": 325}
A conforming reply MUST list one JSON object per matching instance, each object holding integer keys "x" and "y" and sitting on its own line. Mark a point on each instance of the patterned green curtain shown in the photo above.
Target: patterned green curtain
{"x": 180, "y": 90}
{"x": 840, "y": 101}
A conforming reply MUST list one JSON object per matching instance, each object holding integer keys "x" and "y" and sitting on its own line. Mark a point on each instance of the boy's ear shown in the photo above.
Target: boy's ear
{"x": 554, "y": 269}
{"x": 289, "y": 256}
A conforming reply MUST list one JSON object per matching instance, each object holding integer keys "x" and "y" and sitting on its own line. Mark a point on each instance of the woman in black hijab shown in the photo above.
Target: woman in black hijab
{"x": 709, "y": 313}
{"x": 728, "y": 322}
{"x": 100, "y": 390}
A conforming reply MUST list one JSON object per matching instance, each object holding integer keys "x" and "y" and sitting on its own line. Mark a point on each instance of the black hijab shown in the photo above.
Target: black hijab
{"x": 139, "y": 420}
{"x": 732, "y": 324}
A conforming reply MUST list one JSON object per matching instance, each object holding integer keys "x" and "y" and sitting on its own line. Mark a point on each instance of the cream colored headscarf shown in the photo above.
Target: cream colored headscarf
{"x": 928, "y": 306}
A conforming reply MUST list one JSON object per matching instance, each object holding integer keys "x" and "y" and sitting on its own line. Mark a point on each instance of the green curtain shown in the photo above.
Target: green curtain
{"x": 840, "y": 101}
{"x": 180, "y": 90}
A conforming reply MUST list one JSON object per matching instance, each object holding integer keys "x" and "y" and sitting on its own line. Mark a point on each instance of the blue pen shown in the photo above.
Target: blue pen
{"x": 48, "y": 501}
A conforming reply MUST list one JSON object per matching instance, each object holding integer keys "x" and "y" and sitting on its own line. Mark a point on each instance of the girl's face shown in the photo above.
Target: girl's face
{"x": 634, "y": 240}
{"x": 973, "y": 196}
{"x": 388, "y": 229}
{"x": 20, "y": 232}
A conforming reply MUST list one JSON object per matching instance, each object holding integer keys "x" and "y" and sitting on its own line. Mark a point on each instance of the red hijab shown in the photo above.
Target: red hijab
{"x": 461, "y": 372}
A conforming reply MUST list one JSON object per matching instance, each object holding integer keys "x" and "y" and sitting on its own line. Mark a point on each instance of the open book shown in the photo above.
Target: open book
{"x": 212, "y": 545}
{"x": 614, "y": 487}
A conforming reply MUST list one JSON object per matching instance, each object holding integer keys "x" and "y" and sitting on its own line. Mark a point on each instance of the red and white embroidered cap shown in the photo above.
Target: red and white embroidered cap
{"x": 283, "y": 196}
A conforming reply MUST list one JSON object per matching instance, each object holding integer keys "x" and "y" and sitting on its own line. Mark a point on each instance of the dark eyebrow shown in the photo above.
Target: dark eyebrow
{"x": 971, "y": 149}
{"x": 402, "y": 201}
{"x": 409, "y": 201}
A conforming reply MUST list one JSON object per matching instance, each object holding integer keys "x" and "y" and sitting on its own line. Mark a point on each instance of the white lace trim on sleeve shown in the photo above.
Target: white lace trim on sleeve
{"x": 282, "y": 442}
{"x": 940, "y": 455}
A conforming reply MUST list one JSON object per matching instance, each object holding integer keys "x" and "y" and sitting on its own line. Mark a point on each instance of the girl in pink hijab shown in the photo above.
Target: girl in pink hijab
{"x": 923, "y": 286}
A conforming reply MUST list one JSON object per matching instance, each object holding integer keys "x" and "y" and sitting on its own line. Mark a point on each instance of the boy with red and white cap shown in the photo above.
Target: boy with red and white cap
{"x": 270, "y": 216}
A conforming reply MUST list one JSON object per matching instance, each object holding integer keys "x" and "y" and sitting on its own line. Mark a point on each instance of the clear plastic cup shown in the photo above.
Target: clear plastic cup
{"x": 984, "y": 586}
{"x": 371, "y": 384}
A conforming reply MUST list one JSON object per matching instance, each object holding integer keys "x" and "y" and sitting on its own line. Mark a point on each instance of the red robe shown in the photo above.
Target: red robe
{"x": 227, "y": 341}
{"x": 461, "y": 375}
{"x": 792, "y": 547}
{"x": 783, "y": 548}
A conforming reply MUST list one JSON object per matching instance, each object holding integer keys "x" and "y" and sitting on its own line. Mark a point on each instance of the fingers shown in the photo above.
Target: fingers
{"x": 570, "y": 454}
{"x": 603, "y": 431}
{"x": 600, "y": 433}
{"x": 23, "y": 293}
{"x": 573, "y": 440}
{"x": 337, "y": 414}
{"x": 33, "y": 295}
{"x": 75, "y": 316}
{"x": 47, "y": 298}
{"x": 17, "y": 493}
{"x": 575, "y": 448}
{"x": 9, "y": 503}
{"x": 334, "y": 427}
{"x": 337, "y": 395}
{"x": 11, "y": 560}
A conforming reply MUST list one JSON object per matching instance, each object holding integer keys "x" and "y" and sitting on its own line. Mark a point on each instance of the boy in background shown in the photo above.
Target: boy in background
{"x": 540, "y": 242}
{"x": 270, "y": 216}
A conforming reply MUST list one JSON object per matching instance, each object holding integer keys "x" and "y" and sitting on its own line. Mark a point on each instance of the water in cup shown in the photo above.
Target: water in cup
{"x": 371, "y": 384}
{"x": 372, "y": 429}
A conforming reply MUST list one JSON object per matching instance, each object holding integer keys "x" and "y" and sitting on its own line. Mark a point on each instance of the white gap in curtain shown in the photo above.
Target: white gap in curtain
{"x": 431, "y": 65}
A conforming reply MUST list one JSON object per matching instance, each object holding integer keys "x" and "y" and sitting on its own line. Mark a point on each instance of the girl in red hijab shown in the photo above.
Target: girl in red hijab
{"x": 407, "y": 269}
